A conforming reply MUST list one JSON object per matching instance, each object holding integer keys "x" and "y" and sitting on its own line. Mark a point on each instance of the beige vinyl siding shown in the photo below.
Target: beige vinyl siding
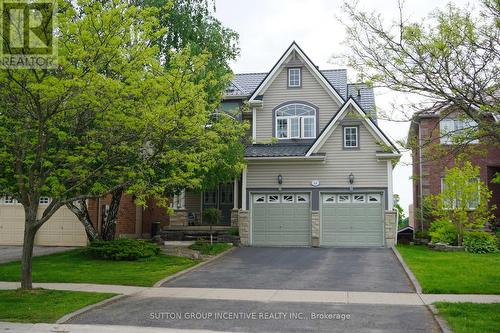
{"x": 334, "y": 172}
{"x": 192, "y": 201}
{"x": 278, "y": 92}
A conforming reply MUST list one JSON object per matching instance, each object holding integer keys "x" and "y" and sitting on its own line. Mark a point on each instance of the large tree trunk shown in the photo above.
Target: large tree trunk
{"x": 80, "y": 209}
{"x": 30, "y": 230}
{"x": 109, "y": 223}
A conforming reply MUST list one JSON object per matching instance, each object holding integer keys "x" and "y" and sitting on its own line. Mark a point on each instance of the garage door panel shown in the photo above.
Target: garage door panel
{"x": 351, "y": 223}
{"x": 280, "y": 223}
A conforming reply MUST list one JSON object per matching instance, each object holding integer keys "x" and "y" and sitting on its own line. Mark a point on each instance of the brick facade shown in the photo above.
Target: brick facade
{"x": 432, "y": 158}
{"x": 132, "y": 221}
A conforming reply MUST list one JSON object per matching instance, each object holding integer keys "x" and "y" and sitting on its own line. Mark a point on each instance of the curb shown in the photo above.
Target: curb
{"x": 441, "y": 322}
{"x": 408, "y": 271}
{"x": 190, "y": 269}
{"x": 87, "y": 308}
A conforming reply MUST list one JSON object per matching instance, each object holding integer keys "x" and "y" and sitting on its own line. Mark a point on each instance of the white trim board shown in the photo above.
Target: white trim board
{"x": 277, "y": 67}
{"x": 334, "y": 122}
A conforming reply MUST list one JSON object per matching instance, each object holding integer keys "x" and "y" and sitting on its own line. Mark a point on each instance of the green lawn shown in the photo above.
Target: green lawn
{"x": 73, "y": 266}
{"x": 453, "y": 272}
{"x": 470, "y": 317}
{"x": 207, "y": 249}
{"x": 43, "y": 306}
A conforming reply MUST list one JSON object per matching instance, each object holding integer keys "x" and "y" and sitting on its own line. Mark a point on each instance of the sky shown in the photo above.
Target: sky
{"x": 267, "y": 27}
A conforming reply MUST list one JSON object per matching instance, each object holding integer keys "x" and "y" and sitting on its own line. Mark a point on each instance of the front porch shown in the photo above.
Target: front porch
{"x": 189, "y": 208}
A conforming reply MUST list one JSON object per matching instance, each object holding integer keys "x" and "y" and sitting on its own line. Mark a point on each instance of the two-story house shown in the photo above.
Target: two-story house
{"x": 319, "y": 169}
{"x": 434, "y": 149}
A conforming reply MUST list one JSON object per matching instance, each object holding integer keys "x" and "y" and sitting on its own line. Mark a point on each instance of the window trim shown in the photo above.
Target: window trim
{"x": 289, "y": 69}
{"x": 344, "y": 128}
{"x": 454, "y": 203}
{"x": 301, "y": 118}
{"x": 446, "y": 138}
{"x": 277, "y": 201}
{"x": 302, "y": 195}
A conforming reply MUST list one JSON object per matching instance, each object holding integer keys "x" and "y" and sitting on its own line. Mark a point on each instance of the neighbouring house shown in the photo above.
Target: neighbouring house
{"x": 434, "y": 150}
{"x": 319, "y": 169}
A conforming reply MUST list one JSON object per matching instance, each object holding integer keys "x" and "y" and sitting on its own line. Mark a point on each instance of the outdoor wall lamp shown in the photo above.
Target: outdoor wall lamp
{"x": 280, "y": 179}
{"x": 351, "y": 178}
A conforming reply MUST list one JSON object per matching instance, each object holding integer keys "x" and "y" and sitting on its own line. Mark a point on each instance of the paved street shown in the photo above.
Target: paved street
{"x": 260, "y": 316}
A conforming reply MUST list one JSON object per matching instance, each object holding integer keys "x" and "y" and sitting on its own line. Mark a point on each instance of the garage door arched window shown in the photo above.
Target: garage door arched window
{"x": 296, "y": 121}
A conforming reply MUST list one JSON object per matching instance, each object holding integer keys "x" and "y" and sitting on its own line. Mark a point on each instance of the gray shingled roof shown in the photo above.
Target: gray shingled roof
{"x": 363, "y": 95}
{"x": 245, "y": 84}
{"x": 338, "y": 79}
{"x": 277, "y": 149}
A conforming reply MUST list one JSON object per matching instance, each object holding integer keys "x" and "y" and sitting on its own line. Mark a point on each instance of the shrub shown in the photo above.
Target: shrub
{"x": 211, "y": 216}
{"x": 479, "y": 242}
{"x": 233, "y": 231}
{"x": 443, "y": 231}
{"x": 422, "y": 235}
{"x": 209, "y": 249}
{"x": 122, "y": 249}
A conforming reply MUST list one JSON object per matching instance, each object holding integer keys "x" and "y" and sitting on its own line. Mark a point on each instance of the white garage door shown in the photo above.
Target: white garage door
{"x": 352, "y": 219}
{"x": 281, "y": 219}
{"x": 63, "y": 229}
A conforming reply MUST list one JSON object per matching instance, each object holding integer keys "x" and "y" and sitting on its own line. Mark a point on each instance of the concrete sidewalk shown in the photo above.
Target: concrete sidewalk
{"x": 98, "y": 288}
{"x": 313, "y": 296}
{"x": 268, "y": 295}
{"x": 51, "y": 328}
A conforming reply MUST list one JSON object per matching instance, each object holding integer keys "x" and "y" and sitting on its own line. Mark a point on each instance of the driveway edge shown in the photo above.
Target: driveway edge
{"x": 188, "y": 270}
{"x": 87, "y": 308}
{"x": 440, "y": 321}
{"x": 408, "y": 271}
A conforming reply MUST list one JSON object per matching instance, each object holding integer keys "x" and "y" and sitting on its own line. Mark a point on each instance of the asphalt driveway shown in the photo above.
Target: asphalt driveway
{"x": 14, "y": 252}
{"x": 370, "y": 269}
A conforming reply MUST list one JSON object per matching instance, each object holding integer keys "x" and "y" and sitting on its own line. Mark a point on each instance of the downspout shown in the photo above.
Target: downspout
{"x": 420, "y": 176}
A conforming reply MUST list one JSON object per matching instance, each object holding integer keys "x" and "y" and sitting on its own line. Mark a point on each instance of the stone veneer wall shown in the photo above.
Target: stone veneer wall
{"x": 234, "y": 218}
{"x": 315, "y": 221}
{"x": 390, "y": 228}
{"x": 244, "y": 227}
{"x": 179, "y": 218}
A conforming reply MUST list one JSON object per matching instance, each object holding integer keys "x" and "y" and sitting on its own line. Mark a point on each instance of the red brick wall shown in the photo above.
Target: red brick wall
{"x": 436, "y": 157}
{"x": 153, "y": 213}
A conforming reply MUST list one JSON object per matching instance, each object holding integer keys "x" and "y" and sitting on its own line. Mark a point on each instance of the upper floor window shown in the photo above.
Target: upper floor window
{"x": 471, "y": 203}
{"x": 451, "y": 130}
{"x": 351, "y": 137}
{"x": 296, "y": 121}
{"x": 294, "y": 77}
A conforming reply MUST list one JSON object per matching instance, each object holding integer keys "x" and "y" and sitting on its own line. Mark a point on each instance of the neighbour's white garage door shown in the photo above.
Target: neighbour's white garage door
{"x": 281, "y": 219}
{"x": 63, "y": 229}
{"x": 352, "y": 219}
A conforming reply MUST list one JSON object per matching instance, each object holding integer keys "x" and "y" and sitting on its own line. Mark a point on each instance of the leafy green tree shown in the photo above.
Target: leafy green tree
{"x": 464, "y": 199}
{"x": 452, "y": 58}
{"x": 111, "y": 117}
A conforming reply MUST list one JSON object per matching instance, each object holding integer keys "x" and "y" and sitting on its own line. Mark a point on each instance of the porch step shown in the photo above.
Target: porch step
{"x": 193, "y": 235}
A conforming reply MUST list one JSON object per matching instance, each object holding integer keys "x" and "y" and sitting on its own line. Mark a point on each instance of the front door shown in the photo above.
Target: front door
{"x": 221, "y": 198}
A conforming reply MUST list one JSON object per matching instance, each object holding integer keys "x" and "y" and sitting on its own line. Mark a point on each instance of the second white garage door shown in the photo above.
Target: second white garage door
{"x": 281, "y": 219}
{"x": 352, "y": 220}
{"x": 63, "y": 228}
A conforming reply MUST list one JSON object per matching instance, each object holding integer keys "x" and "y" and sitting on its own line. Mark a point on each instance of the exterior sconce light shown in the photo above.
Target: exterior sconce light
{"x": 351, "y": 178}
{"x": 280, "y": 179}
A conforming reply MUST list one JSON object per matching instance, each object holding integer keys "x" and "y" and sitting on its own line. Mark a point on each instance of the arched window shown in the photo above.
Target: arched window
{"x": 296, "y": 121}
